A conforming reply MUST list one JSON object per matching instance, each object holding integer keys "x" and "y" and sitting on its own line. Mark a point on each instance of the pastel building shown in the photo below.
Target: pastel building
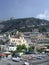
{"x": 18, "y": 39}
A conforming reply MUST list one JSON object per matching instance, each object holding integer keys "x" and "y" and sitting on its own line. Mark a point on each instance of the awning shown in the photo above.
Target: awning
{"x": 3, "y": 55}
{"x": 6, "y": 52}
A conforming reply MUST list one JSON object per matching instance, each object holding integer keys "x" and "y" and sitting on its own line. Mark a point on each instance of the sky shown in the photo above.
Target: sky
{"x": 24, "y": 8}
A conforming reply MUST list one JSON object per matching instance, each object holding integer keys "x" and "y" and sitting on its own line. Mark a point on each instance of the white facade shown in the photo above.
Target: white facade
{"x": 11, "y": 48}
{"x": 18, "y": 41}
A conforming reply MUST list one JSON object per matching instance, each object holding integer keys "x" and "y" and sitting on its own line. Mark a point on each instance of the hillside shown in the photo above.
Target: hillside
{"x": 24, "y": 24}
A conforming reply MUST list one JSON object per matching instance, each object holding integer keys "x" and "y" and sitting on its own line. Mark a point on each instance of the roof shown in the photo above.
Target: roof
{"x": 7, "y": 52}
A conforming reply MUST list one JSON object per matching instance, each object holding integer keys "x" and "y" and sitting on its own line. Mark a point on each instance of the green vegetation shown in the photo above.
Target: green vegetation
{"x": 41, "y": 50}
{"x": 31, "y": 48}
{"x": 42, "y": 29}
{"x": 26, "y": 24}
{"x": 1, "y": 42}
{"x": 0, "y": 48}
{"x": 21, "y": 48}
{"x": 48, "y": 47}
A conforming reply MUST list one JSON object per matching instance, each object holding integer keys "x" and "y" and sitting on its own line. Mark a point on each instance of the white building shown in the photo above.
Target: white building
{"x": 12, "y": 48}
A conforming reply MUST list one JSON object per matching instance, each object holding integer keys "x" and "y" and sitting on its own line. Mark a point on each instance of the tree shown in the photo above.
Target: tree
{"x": 1, "y": 42}
{"x": 24, "y": 48}
{"x": 42, "y": 29}
{"x": 0, "y": 48}
{"x": 21, "y": 48}
{"x": 48, "y": 47}
{"x": 31, "y": 48}
{"x": 41, "y": 50}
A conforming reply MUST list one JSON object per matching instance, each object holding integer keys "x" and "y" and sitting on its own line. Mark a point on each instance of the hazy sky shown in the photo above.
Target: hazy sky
{"x": 24, "y": 8}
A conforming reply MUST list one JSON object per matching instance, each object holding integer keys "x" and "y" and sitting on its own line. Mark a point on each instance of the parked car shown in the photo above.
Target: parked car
{"x": 16, "y": 59}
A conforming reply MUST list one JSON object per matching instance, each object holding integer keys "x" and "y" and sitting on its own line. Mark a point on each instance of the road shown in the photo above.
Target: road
{"x": 10, "y": 62}
{"x": 37, "y": 62}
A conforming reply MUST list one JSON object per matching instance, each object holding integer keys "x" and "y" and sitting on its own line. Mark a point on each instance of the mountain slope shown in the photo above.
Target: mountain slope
{"x": 24, "y": 24}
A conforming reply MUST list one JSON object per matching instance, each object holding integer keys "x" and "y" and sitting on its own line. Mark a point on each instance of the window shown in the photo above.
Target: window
{"x": 19, "y": 41}
{"x": 13, "y": 40}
